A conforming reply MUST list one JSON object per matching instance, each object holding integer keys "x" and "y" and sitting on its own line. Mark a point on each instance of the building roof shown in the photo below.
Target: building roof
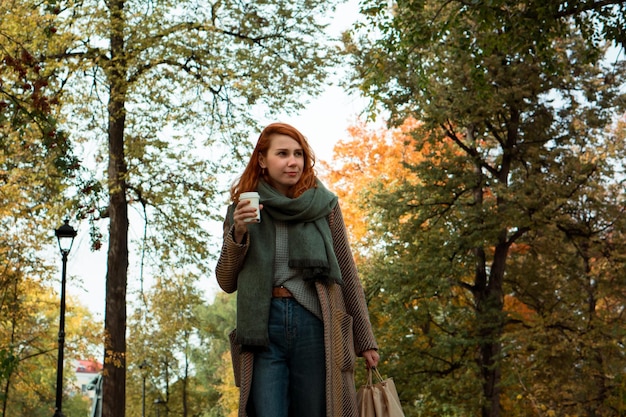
{"x": 88, "y": 366}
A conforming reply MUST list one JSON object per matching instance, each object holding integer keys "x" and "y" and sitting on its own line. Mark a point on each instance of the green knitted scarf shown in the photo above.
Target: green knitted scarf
{"x": 310, "y": 248}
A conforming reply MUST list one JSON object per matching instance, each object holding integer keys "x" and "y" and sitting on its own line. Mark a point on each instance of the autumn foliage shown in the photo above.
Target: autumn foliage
{"x": 370, "y": 156}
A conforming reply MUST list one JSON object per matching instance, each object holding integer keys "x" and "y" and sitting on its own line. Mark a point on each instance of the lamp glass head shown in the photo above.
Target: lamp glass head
{"x": 65, "y": 235}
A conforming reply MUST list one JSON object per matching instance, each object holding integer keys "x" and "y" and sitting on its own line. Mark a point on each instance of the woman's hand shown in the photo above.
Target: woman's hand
{"x": 242, "y": 212}
{"x": 371, "y": 358}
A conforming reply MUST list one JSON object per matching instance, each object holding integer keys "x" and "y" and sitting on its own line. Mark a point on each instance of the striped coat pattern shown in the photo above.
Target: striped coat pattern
{"x": 347, "y": 328}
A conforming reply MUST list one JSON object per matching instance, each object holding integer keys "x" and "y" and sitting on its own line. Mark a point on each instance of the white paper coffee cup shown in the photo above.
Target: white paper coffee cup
{"x": 254, "y": 202}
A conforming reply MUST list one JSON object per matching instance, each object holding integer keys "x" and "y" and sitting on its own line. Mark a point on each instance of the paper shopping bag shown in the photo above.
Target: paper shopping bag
{"x": 380, "y": 399}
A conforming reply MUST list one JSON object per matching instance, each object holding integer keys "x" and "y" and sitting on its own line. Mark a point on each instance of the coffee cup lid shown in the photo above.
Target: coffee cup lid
{"x": 250, "y": 194}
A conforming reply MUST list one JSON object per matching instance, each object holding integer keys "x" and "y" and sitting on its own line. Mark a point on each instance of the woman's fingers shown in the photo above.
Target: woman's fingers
{"x": 244, "y": 211}
{"x": 371, "y": 358}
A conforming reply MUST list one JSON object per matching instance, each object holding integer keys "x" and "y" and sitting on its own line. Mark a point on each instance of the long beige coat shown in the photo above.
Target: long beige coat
{"x": 347, "y": 328}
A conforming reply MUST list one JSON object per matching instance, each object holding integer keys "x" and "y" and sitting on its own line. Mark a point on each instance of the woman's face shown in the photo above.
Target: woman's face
{"x": 284, "y": 162}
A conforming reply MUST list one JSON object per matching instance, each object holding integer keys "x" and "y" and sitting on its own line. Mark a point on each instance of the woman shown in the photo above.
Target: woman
{"x": 301, "y": 311}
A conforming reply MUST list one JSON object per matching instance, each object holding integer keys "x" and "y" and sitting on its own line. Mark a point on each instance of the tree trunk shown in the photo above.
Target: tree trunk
{"x": 185, "y": 393}
{"x": 489, "y": 301}
{"x": 114, "y": 383}
{"x": 490, "y": 304}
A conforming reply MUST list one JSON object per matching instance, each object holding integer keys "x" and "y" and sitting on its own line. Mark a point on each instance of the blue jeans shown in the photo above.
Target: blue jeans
{"x": 289, "y": 379}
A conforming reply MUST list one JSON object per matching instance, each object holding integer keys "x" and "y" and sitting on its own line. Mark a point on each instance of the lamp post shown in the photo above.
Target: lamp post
{"x": 158, "y": 402}
{"x": 65, "y": 235}
{"x": 143, "y": 367}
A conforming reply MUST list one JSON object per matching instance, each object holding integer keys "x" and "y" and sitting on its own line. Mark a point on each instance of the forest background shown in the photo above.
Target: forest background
{"x": 490, "y": 226}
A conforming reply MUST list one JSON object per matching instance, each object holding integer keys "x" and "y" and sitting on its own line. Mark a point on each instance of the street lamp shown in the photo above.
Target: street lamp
{"x": 65, "y": 235}
{"x": 158, "y": 403}
{"x": 143, "y": 367}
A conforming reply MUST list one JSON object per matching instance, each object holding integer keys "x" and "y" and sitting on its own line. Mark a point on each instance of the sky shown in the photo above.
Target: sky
{"x": 323, "y": 121}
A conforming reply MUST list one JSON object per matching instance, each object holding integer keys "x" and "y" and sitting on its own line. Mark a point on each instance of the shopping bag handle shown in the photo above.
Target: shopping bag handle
{"x": 369, "y": 377}
{"x": 373, "y": 371}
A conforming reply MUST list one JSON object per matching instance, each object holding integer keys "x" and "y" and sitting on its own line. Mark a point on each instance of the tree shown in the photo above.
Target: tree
{"x": 560, "y": 305}
{"x": 571, "y": 278}
{"x": 369, "y": 157}
{"x": 36, "y": 158}
{"x": 213, "y": 358}
{"x": 36, "y": 166}
{"x": 35, "y": 154}
{"x": 526, "y": 100}
{"x": 366, "y": 168}
{"x": 165, "y": 333}
{"x": 181, "y": 343}
{"x": 138, "y": 71}
{"x": 28, "y": 337}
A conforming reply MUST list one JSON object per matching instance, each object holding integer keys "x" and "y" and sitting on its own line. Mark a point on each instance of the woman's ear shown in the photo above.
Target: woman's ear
{"x": 262, "y": 163}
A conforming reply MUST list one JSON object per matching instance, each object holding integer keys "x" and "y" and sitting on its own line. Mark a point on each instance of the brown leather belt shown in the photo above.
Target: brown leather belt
{"x": 281, "y": 292}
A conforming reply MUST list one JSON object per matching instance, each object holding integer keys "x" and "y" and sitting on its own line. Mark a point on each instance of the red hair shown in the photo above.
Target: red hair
{"x": 249, "y": 180}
